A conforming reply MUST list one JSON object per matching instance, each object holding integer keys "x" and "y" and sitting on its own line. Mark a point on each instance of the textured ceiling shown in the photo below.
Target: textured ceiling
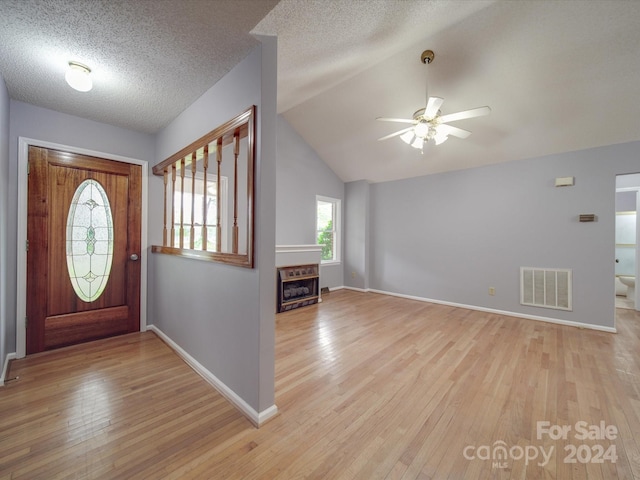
{"x": 150, "y": 59}
{"x": 328, "y": 41}
{"x": 559, "y": 75}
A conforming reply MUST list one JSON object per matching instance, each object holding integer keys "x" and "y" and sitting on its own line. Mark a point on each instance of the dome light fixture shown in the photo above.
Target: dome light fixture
{"x": 78, "y": 77}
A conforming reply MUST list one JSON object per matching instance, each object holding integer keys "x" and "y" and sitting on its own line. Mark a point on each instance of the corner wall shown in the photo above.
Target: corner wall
{"x": 300, "y": 176}
{"x": 224, "y": 316}
{"x": 356, "y": 232}
{"x": 4, "y": 215}
{"x": 451, "y": 236}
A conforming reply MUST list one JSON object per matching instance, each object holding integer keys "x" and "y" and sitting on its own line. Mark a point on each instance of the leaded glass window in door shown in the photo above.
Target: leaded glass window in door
{"x": 89, "y": 240}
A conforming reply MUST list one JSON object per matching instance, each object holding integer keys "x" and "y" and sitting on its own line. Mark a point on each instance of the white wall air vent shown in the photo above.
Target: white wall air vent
{"x": 545, "y": 287}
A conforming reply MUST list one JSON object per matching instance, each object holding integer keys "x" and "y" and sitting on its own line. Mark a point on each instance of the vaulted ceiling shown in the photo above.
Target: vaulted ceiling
{"x": 559, "y": 75}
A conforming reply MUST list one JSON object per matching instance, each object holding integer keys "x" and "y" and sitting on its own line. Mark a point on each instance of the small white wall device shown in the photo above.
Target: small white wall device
{"x": 565, "y": 181}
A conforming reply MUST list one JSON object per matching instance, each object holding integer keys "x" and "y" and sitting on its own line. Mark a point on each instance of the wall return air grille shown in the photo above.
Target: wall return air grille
{"x": 544, "y": 287}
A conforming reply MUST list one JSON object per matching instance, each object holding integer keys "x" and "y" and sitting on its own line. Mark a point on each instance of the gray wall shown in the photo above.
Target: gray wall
{"x": 451, "y": 236}
{"x": 356, "y": 232}
{"x": 5, "y": 343}
{"x": 300, "y": 176}
{"x": 223, "y": 316}
{"x": 47, "y": 125}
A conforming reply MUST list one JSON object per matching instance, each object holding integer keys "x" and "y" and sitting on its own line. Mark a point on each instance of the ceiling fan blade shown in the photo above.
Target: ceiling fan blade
{"x": 394, "y": 134}
{"x": 474, "y": 112}
{"x": 451, "y": 130}
{"x": 433, "y": 105}
{"x": 398, "y": 120}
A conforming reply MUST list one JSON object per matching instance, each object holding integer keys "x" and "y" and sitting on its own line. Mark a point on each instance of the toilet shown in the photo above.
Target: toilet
{"x": 630, "y": 282}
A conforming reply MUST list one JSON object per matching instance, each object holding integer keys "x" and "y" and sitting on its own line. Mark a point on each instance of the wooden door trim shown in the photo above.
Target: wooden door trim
{"x": 21, "y": 255}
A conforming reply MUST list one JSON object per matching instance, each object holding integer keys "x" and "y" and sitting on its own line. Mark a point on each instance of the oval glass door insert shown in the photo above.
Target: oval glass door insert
{"x": 89, "y": 240}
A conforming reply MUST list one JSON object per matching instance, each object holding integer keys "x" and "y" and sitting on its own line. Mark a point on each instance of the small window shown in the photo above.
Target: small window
{"x": 328, "y": 228}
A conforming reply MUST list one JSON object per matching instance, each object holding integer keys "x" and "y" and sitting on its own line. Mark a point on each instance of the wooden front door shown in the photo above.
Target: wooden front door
{"x": 83, "y": 232}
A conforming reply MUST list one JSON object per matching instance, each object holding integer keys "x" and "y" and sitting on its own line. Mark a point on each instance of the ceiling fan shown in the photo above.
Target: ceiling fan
{"x": 428, "y": 125}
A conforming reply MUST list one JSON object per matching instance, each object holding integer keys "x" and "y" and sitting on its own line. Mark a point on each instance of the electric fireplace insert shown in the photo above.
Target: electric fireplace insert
{"x": 297, "y": 286}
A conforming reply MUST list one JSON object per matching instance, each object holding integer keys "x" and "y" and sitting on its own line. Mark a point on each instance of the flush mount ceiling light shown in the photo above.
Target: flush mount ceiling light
{"x": 428, "y": 124}
{"x": 78, "y": 77}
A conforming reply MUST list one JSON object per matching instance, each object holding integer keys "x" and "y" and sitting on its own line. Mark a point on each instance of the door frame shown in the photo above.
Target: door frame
{"x": 21, "y": 254}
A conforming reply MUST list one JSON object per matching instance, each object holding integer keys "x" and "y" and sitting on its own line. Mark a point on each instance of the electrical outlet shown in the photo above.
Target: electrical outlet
{"x": 353, "y": 274}
{"x": 492, "y": 291}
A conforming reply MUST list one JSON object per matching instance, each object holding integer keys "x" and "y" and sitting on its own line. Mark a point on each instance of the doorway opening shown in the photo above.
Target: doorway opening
{"x": 627, "y": 233}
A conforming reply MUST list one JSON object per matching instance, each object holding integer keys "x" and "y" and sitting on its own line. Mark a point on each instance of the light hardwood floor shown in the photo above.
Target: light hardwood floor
{"x": 368, "y": 387}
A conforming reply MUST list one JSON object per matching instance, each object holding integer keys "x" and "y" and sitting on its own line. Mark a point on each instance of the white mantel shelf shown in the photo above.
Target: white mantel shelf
{"x": 291, "y": 255}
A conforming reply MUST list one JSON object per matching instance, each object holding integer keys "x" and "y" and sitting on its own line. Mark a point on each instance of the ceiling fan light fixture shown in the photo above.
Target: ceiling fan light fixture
{"x": 428, "y": 125}
{"x": 418, "y": 143}
{"x": 408, "y": 137}
{"x": 440, "y": 138}
{"x": 78, "y": 77}
{"x": 422, "y": 129}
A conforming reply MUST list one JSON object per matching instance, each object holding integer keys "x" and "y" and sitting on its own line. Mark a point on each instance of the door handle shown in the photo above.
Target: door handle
{"x": 134, "y": 257}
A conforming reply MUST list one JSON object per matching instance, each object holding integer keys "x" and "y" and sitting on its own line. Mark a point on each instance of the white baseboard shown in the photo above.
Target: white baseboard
{"x": 5, "y": 367}
{"x": 488, "y": 310}
{"x": 257, "y": 418}
{"x": 344, "y": 287}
